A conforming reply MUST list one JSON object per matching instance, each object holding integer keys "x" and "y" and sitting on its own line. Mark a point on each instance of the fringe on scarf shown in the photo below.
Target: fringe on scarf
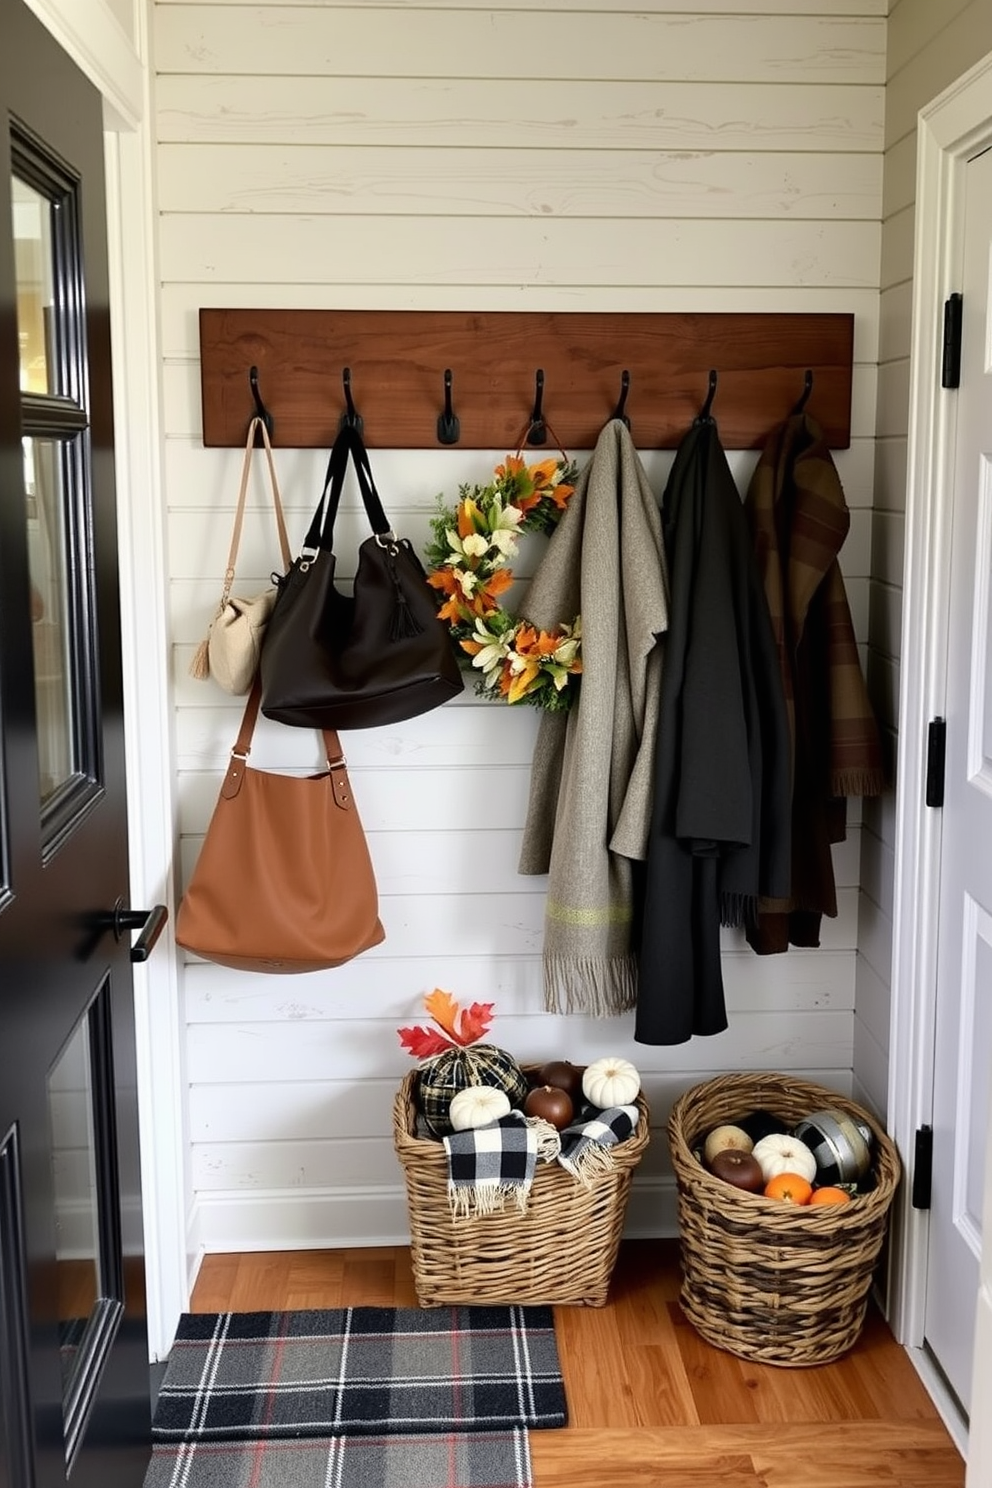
{"x": 857, "y": 783}
{"x": 737, "y": 910}
{"x": 589, "y": 1164}
{"x": 469, "y": 1199}
{"x": 596, "y": 986}
{"x": 548, "y": 1138}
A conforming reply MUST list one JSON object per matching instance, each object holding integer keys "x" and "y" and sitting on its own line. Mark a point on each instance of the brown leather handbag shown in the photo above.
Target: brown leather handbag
{"x": 379, "y": 655}
{"x": 284, "y": 881}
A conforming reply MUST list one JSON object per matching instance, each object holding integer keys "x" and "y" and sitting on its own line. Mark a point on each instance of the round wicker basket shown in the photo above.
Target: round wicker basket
{"x": 562, "y": 1250}
{"x": 765, "y": 1280}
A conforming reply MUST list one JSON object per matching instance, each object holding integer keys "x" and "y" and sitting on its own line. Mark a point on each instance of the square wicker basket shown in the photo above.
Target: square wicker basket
{"x": 562, "y": 1250}
{"x": 764, "y": 1280}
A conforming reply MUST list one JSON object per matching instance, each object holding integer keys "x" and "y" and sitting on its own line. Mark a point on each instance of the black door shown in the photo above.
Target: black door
{"x": 74, "y": 1391}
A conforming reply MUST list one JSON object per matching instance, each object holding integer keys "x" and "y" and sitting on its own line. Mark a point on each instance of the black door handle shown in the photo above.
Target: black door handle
{"x": 150, "y": 922}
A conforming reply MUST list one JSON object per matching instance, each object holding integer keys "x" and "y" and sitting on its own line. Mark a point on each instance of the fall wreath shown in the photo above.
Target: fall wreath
{"x": 467, "y": 561}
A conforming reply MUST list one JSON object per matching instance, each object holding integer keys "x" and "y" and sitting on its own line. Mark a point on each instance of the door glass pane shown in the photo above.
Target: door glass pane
{"x": 34, "y": 260}
{"x": 48, "y": 569}
{"x": 77, "y": 1214}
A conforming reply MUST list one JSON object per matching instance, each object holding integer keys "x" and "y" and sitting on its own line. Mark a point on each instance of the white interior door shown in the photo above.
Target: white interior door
{"x": 963, "y": 1033}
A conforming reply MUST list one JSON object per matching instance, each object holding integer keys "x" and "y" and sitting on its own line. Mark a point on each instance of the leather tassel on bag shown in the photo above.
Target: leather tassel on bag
{"x": 404, "y": 622}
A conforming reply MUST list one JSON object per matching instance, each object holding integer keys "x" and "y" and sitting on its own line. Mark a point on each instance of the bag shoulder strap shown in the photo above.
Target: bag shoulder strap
{"x": 257, "y": 425}
{"x": 284, "y": 548}
{"x": 348, "y": 444}
{"x": 543, "y": 424}
{"x": 333, "y": 751}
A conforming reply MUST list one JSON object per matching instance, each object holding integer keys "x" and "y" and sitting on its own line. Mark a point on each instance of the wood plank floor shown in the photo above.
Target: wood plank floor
{"x": 650, "y": 1403}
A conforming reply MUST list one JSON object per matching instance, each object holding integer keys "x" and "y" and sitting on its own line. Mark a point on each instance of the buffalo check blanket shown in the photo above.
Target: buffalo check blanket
{"x": 480, "y": 1459}
{"x": 360, "y": 1371}
{"x": 489, "y": 1166}
{"x": 585, "y": 1146}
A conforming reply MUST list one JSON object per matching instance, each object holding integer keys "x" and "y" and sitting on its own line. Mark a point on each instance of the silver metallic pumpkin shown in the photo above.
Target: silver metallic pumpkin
{"x": 841, "y": 1145}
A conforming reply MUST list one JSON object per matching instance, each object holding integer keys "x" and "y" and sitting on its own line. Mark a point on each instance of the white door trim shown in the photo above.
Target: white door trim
{"x": 951, "y": 129}
{"x": 150, "y": 758}
{"x": 90, "y": 34}
{"x": 149, "y": 738}
{"x": 95, "y": 40}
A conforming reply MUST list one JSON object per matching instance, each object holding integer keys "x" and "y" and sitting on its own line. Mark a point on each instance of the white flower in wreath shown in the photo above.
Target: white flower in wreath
{"x": 504, "y": 534}
{"x": 472, "y": 546}
{"x": 493, "y": 651}
{"x": 566, "y": 653}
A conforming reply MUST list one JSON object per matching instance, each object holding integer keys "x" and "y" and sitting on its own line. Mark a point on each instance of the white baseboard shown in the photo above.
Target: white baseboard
{"x": 944, "y": 1400}
{"x": 321, "y": 1219}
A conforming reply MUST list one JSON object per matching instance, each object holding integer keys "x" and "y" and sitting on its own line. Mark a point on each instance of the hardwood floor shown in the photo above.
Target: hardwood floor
{"x": 650, "y": 1403}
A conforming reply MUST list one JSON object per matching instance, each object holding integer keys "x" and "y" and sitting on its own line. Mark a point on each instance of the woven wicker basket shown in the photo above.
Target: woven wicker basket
{"x": 765, "y": 1280}
{"x": 563, "y": 1249}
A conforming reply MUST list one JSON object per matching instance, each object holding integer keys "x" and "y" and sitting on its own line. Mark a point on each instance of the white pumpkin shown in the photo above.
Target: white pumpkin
{"x": 780, "y": 1152}
{"x": 611, "y": 1081}
{"x": 477, "y": 1105}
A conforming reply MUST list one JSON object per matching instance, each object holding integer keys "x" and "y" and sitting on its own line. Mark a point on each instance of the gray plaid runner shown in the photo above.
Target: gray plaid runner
{"x": 486, "y": 1459}
{"x": 374, "y": 1371}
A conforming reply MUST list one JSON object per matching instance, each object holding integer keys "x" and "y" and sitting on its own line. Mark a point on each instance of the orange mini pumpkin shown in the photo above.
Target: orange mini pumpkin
{"x": 830, "y": 1195}
{"x": 789, "y": 1188}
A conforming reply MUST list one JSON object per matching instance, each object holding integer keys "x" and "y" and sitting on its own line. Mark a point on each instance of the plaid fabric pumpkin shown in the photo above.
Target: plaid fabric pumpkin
{"x": 442, "y": 1077}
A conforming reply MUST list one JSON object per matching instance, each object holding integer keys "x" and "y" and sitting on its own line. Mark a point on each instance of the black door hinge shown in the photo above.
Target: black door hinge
{"x": 923, "y": 1167}
{"x": 950, "y": 370}
{"x": 936, "y": 751}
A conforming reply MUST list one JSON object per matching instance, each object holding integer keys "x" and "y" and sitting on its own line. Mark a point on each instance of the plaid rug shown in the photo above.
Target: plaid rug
{"x": 375, "y": 1371}
{"x": 480, "y": 1459}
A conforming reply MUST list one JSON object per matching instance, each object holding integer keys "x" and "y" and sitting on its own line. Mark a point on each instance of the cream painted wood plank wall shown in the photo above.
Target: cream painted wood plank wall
{"x": 457, "y": 156}
{"x": 928, "y": 47}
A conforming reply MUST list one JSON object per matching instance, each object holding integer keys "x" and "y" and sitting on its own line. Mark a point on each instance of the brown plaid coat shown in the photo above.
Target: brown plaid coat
{"x": 799, "y": 518}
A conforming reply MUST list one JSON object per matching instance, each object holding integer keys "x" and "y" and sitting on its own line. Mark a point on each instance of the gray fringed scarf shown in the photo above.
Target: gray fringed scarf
{"x": 592, "y": 772}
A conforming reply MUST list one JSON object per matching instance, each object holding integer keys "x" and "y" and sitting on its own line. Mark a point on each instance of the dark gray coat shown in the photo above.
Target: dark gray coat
{"x": 720, "y": 830}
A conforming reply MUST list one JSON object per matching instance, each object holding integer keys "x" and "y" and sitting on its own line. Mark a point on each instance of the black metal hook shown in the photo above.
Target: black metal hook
{"x": 807, "y": 389}
{"x": 350, "y": 419}
{"x": 537, "y": 433}
{"x": 704, "y": 415}
{"x": 618, "y": 412}
{"x": 448, "y": 428}
{"x": 260, "y": 409}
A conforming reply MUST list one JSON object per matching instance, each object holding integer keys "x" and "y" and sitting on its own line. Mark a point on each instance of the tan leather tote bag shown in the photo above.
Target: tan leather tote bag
{"x": 284, "y": 881}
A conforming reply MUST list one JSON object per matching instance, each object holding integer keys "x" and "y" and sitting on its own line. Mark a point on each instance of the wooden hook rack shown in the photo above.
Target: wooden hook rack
{"x": 399, "y": 361}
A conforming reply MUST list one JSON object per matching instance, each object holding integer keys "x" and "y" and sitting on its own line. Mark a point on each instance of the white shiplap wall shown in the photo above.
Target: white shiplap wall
{"x": 456, "y": 156}
{"x": 929, "y": 45}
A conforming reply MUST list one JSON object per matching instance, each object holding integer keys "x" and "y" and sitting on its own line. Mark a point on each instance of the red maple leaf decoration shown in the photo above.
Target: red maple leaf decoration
{"x": 457, "y": 1027}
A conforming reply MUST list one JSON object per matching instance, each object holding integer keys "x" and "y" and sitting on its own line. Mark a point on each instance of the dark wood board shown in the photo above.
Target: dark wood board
{"x": 397, "y": 360}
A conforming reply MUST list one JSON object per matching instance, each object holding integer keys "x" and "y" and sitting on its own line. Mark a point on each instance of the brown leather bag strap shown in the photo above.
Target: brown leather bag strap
{"x": 533, "y": 449}
{"x": 334, "y": 753}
